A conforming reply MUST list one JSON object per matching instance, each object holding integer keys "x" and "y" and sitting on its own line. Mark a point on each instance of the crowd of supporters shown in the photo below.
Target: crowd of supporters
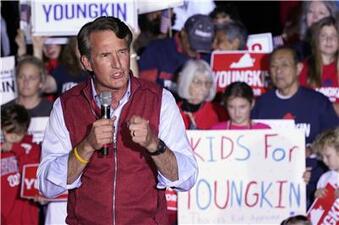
{"x": 303, "y": 67}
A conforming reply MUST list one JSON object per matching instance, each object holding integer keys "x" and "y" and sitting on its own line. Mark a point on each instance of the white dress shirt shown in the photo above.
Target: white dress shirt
{"x": 52, "y": 171}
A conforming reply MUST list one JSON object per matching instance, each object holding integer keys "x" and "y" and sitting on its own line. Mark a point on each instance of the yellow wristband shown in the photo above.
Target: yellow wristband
{"x": 78, "y": 157}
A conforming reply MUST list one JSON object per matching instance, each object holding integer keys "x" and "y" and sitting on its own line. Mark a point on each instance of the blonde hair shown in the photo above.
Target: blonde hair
{"x": 186, "y": 76}
{"x": 32, "y": 60}
{"x": 328, "y": 138}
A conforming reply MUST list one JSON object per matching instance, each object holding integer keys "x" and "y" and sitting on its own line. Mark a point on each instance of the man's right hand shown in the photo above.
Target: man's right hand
{"x": 101, "y": 133}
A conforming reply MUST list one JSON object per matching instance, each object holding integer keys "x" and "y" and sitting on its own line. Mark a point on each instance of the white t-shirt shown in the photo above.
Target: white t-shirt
{"x": 331, "y": 177}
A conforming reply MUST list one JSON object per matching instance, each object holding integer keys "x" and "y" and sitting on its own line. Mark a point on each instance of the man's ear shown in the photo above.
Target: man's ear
{"x": 253, "y": 103}
{"x": 299, "y": 68}
{"x": 86, "y": 63}
{"x": 235, "y": 44}
{"x": 183, "y": 33}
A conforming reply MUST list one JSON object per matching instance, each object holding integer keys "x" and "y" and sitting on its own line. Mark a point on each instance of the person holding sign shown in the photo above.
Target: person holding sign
{"x": 327, "y": 145}
{"x": 311, "y": 110}
{"x": 17, "y": 150}
{"x": 147, "y": 147}
{"x": 49, "y": 53}
{"x": 69, "y": 71}
{"x": 238, "y": 99}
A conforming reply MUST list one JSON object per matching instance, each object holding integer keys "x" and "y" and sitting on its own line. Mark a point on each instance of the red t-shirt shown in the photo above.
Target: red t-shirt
{"x": 329, "y": 80}
{"x": 207, "y": 115}
{"x": 15, "y": 210}
{"x": 228, "y": 126}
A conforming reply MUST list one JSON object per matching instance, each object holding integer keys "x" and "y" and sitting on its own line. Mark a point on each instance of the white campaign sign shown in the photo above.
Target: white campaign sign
{"x": 150, "y": 6}
{"x": 278, "y": 124}
{"x": 260, "y": 43}
{"x": 245, "y": 177}
{"x": 7, "y": 73}
{"x": 61, "y": 18}
{"x": 37, "y": 128}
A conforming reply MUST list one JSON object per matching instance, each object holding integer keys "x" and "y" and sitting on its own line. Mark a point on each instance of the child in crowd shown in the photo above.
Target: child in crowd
{"x": 296, "y": 220}
{"x": 238, "y": 99}
{"x": 17, "y": 150}
{"x": 327, "y": 145}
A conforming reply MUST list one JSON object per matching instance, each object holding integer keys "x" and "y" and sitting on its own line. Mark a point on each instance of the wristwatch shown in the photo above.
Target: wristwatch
{"x": 161, "y": 148}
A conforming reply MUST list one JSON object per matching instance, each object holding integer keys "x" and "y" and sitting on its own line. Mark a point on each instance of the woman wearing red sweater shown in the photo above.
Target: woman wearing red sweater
{"x": 197, "y": 89}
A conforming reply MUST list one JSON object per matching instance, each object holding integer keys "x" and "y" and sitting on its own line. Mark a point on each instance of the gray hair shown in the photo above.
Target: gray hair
{"x": 233, "y": 30}
{"x": 186, "y": 76}
{"x": 331, "y": 7}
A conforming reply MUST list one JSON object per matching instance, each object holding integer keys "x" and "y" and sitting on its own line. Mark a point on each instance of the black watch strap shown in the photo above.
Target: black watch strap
{"x": 161, "y": 148}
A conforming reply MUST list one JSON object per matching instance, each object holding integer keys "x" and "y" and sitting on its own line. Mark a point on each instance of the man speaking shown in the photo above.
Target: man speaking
{"x": 148, "y": 149}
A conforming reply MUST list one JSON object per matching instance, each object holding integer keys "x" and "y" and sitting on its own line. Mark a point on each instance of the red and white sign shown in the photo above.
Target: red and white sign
{"x": 29, "y": 184}
{"x": 331, "y": 92}
{"x": 231, "y": 66}
{"x": 262, "y": 43}
{"x": 171, "y": 198}
{"x": 325, "y": 210}
{"x": 234, "y": 184}
{"x": 7, "y": 79}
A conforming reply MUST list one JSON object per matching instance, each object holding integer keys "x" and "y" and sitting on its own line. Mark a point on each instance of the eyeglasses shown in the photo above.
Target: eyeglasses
{"x": 201, "y": 83}
{"x": 328, "y": 38}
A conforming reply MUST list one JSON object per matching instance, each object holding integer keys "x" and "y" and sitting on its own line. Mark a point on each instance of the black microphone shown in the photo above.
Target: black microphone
{"x": 105, "y": 101}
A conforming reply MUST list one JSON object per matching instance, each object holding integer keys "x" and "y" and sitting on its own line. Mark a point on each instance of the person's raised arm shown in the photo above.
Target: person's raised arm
{"x": 38, "y": 45}
{"x": 21, "y": 43}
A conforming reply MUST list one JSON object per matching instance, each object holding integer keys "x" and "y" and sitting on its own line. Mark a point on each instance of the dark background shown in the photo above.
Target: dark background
{"x": 257, "y": 16}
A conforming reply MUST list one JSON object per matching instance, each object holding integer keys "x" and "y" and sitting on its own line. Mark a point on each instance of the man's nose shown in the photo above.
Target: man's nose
{"x": 26, "y": 80}
{"x": 116, "y": 61}
{"x": 278, "y": 69}
{"x": 236, "y": 111}
{"x": 315, "y": 18}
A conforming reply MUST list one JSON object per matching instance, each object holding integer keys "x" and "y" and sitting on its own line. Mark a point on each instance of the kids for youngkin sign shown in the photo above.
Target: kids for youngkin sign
{"x": 245, "y": 177}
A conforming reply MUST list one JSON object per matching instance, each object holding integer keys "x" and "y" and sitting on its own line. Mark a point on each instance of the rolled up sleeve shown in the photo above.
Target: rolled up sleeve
{"x": 52, "y": 171}
{"x": 172, "y": 131}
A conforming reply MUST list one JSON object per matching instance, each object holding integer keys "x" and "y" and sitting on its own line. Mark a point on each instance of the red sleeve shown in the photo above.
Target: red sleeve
{"x": 150, "y": 75}
{"x": 208, "y": 115}
{"x": 221, "y": 112}
{"x": 304, "y": 74}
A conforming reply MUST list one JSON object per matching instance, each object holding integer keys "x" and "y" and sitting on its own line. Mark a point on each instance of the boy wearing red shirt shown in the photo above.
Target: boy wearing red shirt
{"x": 16, "y": 151}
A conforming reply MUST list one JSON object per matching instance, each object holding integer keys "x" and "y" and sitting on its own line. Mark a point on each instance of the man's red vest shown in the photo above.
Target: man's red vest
{"x": 129, "y": 172}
